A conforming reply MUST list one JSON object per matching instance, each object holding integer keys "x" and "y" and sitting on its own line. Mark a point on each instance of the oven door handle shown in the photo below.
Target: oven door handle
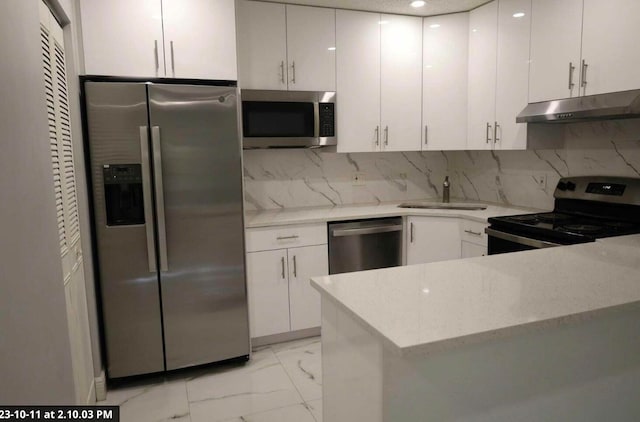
{"x": 534, "y": 243}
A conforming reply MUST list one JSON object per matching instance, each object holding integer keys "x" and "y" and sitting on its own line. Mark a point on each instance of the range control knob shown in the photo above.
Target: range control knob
{"x": 562, "y": 186}
{"x": 571, "y": 186}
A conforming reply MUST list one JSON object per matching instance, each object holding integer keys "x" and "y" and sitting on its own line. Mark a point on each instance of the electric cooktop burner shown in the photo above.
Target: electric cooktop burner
{"x": 586, "y": 209}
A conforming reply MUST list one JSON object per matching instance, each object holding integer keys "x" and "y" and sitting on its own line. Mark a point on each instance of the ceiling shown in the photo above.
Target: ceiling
{"x": 433, "y": 7}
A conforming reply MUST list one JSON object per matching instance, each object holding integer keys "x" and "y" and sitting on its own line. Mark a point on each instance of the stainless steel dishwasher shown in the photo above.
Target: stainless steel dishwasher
{"x": 365, "y": 245}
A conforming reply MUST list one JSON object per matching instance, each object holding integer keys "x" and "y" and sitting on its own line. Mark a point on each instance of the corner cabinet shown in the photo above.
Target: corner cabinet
{"x": 280, "y": 264}
{"x": 160, "y": 38}
{"x": 432, "y": 239}
{"x": 286, "y": 47}
{"x": 378, "y": 67}
{"x": 498, "y": 74}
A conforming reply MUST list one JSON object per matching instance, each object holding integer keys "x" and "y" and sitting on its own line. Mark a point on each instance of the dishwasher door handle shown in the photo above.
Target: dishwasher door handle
{"x": 366, "y": 230}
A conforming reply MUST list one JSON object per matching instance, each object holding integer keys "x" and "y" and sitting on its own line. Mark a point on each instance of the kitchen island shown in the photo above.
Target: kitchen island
{"x": 544, "y": 335}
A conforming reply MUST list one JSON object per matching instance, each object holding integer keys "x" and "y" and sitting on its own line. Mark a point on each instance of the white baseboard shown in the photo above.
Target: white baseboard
{"x": 101, "y": 387}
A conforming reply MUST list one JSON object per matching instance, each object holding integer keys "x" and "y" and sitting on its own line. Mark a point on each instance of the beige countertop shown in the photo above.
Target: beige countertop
{"x": 431, "y": 307}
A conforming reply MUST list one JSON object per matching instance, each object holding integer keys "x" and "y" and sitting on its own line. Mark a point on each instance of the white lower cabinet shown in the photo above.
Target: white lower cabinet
{"x": 280, "y": 264}
{"x": 472, "y": 250}
{"x": 268, "y": 291}
{"x": 304, "y": 300}
{"x": 432, "y": 239}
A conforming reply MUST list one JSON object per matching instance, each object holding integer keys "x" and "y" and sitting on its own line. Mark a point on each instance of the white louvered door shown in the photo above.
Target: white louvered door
{"x": 66, "y": 201}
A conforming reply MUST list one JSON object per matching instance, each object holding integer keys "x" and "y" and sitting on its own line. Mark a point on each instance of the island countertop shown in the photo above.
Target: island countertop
{"x": 426, "y": 308}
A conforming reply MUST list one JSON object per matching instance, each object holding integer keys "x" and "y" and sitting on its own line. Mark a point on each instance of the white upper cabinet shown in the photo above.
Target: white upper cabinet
{"x": 122, "y": 37}
{"x": 358, "y": 80}
{"x": 286, "y": 47}
{"x": 378, "y": 70}
{"x": 126, "y": 38}
{"x": 498, "y": 74}
{"x": 609, "y": 46}
{"x": 512, "y": 81}
{"x": 445, "y": 60}
{"x": 400, "y": 82}
{"x": 311, "y": 45}
{"x": 556, "y": 31}
{"x": 483, "y": 35}
{"x": 200, "y": 39}
{"x": 262, "y": 45}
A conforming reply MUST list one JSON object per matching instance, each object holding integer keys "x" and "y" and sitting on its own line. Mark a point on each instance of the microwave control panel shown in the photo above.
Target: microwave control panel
{"x": 327, "y": 120}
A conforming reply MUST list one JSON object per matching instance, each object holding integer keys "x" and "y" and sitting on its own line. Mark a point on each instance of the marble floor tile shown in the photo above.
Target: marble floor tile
{"x": 303, "y": 363}
{"x": 165, "y": 401}
{"x": 262, "y": 384}
{"x": 295, "y": 413}
{"x": 315, "y": 406}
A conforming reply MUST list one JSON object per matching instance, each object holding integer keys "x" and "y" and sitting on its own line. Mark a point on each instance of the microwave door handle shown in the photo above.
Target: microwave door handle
{"x": 316, "y": 119}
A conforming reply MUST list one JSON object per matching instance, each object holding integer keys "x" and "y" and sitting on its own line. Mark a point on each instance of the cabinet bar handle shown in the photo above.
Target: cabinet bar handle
{"x": 173, "y": 62}
{"x": 295, "y": 236}
{"x": 495, "y": 132}
{"x": 488, "y": 132}
{"x": 282, "y": 71}
{"x": 571, "y": 69}
{"x": 155, "y": 52}
{"x": 293, "y": 67}
{"x": 584, "y": 74}
{"x": 282, "y": 262}
{"x": 295, "y": 267}
{"x": 472, "y": 232}
{"x": 377, "y": 135}
{"x": 410, "y": 232}
{"x": 386, "y": 135}
{"x": 426, "y": 135}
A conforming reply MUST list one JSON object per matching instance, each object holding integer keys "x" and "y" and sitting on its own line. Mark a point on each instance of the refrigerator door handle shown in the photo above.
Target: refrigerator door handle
{"x": 157, "y": 171}
{"x": 146, "y": 196}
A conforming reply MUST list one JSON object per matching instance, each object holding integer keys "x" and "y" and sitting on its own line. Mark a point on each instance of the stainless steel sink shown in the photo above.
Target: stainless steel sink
{"x": 443, "y": 205}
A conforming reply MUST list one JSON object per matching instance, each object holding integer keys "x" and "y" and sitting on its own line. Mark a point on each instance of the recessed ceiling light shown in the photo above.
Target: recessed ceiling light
{"x": 434, "y": 26}
{"x": 518, "y": 15}
{"x": 418, "y": 3}
{"x": 331, "y": 48}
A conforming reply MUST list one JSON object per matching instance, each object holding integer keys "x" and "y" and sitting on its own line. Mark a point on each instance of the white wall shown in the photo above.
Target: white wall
{"x": 35, "y": 359}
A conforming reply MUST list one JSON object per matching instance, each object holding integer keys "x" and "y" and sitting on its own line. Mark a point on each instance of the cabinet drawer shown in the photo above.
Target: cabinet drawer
{"x": 472, "y": 231}
{"x": 269, "y": 238}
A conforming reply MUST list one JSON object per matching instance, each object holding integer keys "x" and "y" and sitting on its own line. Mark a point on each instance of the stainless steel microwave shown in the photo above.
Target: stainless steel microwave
{"x": 288, "y": 119}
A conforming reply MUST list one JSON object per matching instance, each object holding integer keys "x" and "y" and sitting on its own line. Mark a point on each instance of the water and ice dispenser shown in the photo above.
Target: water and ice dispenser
{"x": 123, "y": 194}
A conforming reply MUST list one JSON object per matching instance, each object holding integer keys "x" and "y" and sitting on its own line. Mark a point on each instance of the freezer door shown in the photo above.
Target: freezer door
{"x": 198, "y": 175}
{"x": 123, "y": 215}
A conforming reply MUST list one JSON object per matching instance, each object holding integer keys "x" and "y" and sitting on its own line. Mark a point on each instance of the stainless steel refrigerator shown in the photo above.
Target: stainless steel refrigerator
{"x": 166, "y": 176}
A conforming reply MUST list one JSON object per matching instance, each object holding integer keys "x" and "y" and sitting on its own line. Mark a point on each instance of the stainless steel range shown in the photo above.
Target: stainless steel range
{"x": 586, "y": 208}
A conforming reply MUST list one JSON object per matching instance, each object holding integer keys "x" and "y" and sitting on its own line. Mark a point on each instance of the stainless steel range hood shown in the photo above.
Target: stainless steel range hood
{"x": 615, "y": 105}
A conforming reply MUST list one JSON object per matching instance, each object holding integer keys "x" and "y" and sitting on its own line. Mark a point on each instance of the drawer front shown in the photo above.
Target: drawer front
{"x": 269, "y": 238}
{"x": 472, "y": 231}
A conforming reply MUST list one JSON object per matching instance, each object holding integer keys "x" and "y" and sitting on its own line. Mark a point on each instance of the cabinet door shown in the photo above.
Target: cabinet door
{"x": 609, "y": 45}
{"x": 262, "y": 45}
{"x": 311, "y": 45}
{"x": 358, "y": 80}
{"x": 268, "y": 291}
{"x": 512, "y": 81}
{"x": 556, "y": 28}
{"x": 401, "y": 79}
{"x": 445, "y": 60}
{"x": 472, "y": 250}
{"x": 432, "y": 239}
{"x": 304, "y": 300}
{"x": 483, "y": 32}
{"x": 199, "y": 38}
{"x": 122, "y": 37}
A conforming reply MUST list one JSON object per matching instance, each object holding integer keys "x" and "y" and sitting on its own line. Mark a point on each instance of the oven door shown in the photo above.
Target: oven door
{"x": 503, "y": 242}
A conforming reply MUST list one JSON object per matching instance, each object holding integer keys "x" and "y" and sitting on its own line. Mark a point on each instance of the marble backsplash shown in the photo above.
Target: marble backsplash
{"x": 299, "y": 178}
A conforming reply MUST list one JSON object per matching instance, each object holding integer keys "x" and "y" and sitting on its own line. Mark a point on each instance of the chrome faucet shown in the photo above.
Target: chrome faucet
{"x": 445, "y": 190}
